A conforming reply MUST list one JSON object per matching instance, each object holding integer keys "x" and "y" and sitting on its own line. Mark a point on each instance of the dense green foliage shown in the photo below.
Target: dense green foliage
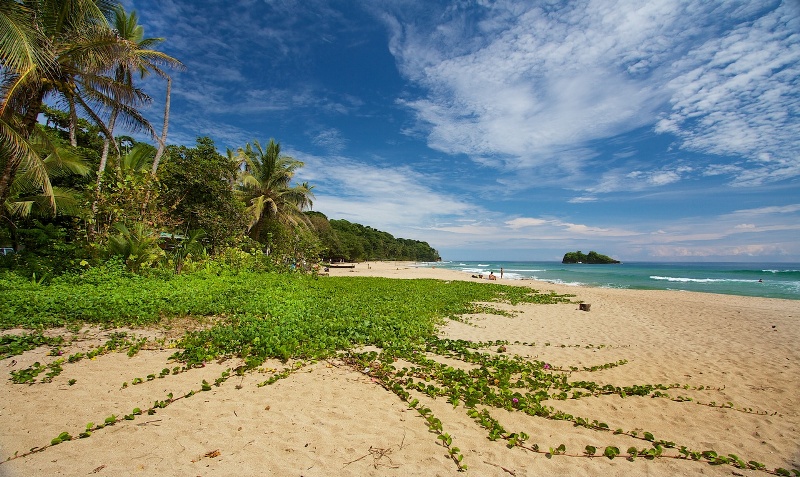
{"x": 268, "y": 314}
{"x": 288, "y": 316}
{"x": 76, "y": 186}
{"x": 344, "y": 240}
{"x": 197, "y": 192}
{"x": 591, "y": 257}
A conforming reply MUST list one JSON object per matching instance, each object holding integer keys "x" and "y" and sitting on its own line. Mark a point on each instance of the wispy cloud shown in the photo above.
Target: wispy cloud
{"x": 576, "y": 229}
{"x": 388, "y": 198}
{"x": 233, "y": 51}
{"x": 637, "y": 180}
{"x": 330, "y": 139}
{"x": 738, "y": 230}
{"x": 736, "y": 94}
{"x": 515, "y": 85}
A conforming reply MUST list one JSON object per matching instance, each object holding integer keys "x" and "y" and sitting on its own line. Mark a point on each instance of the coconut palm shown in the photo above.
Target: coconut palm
{"x": 60, "y": 49}
{"x": 162, "y": 142}
{"x": 267, "y": 191}
{"x": 21, "y": 44}
{"x": 27, "y": 196}
{"x": 140, "y": 59}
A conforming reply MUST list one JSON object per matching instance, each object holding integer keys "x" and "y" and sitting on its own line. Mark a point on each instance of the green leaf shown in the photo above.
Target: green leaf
{"x": 611, "y": 452}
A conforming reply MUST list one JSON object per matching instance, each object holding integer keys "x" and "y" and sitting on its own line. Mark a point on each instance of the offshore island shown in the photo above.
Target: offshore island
{"x": 592, "y": 257}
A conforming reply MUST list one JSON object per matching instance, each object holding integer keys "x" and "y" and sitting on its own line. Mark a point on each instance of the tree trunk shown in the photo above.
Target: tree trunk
{"x": 9, "y": 171}
{"x": 106, "y": 144}
{"x": 90, "y": 229}
{"x": 12, "y": 229}
{"x": 73, "y": 124}
{"x": 163, "y": 142}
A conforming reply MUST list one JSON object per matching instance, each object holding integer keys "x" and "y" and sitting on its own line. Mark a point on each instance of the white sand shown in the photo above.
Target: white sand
{"x": 328, "y": 419}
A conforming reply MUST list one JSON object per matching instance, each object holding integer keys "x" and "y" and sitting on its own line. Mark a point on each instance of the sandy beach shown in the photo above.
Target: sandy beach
{"x": 328, "y": 419}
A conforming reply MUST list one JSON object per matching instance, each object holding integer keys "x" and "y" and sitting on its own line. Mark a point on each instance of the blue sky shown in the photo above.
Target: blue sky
{"x": 511, "y": 129}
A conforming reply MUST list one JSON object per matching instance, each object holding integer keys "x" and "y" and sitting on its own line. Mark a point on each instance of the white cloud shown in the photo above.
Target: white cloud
{"x": 517, "y": 85}
{"x": 770, "y": 210}
{"x": 538, "y": 88}
{"x": 736, "y": 94}
{"x": 395, "y": 199}
{"x": 522, "y": 222}
{"x": 616, "y": 180}
{"x": 331, "y": 139}
{"x": 579, "y": 229}
{"x": 582, "y": 200}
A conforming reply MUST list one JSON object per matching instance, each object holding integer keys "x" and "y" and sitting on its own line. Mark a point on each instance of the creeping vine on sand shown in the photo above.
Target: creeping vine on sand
{"x": 290, "y": 318}
{"x": 499, "y": 381}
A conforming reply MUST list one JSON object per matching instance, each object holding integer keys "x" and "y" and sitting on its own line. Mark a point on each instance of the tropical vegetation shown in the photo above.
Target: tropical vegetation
{"x": 110, "y": 230}
{"x": 592, "y": 257}
{"x": 347, "y": 241}
{"x": 74, "y": 190}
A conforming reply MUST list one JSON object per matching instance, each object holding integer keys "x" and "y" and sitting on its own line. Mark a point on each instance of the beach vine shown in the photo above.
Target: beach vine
{"x": 514, "y": 384}
{"x": 299, "y": 320}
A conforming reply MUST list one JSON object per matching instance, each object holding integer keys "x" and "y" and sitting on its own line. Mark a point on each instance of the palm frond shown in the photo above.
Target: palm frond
{"x": 22, "y": 47}
{"x": 138, "y": 158}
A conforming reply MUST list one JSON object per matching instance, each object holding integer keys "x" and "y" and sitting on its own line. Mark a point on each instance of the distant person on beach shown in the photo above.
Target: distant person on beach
{"x": 492, "y": 276}
{"x": 501, "y": 272}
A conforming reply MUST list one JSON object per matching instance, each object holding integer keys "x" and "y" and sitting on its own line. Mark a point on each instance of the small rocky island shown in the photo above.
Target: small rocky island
{"x": 591, "y": 257}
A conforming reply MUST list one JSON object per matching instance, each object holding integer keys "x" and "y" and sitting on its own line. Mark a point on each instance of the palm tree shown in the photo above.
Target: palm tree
{"x": 137, "y": 159}
{"x": 137, "y": 246}
{"x": 267, "y": 191}
{"x": 140, "y": 58}
{"x": 32, "y": 194}
{"x": 21, "y": 44}
{"x": 28, "y": 197}
{"x": 162, "y": 142}
{"x": 61, "y": 49}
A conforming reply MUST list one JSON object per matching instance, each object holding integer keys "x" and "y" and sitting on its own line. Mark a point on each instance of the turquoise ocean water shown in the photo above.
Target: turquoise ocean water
{"x": 773, "y": 280}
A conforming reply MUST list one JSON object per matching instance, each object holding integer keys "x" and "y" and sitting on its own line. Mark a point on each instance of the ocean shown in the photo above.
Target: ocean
{"x": 772, "y": 280}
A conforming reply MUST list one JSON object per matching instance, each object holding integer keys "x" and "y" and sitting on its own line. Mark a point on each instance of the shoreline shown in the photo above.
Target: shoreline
{"x": 328, "y": 419}
{"x": 411, "y": 270}
{"x": 729, "y": 278}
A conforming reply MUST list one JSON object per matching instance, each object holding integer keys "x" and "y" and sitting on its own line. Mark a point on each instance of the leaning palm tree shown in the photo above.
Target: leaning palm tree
{"x": 140, "y": 59}
{"x": 266, "y": 188}
{"x": 64, "y": 52}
